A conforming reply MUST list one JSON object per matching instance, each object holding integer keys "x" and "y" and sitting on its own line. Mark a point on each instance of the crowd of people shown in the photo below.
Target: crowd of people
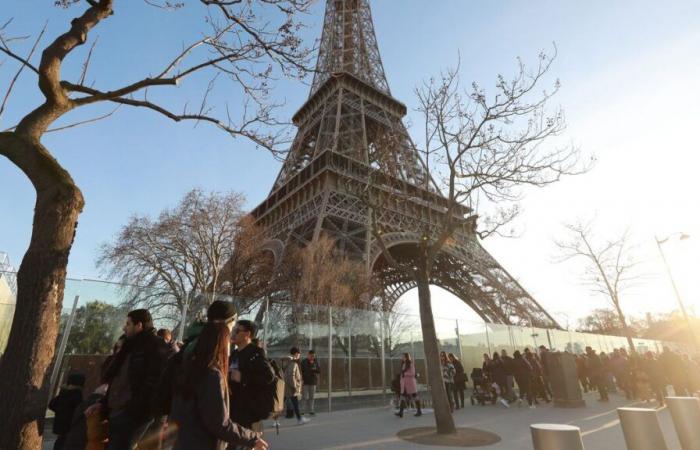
{"x": 523, "y": 377}
{"x": 214, "y": 390}
{"x": 211, "y": 391}
{"x": 639, "y": 376}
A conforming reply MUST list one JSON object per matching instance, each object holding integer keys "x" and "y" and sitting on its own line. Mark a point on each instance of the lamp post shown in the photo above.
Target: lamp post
{"x": 682, "y": 237}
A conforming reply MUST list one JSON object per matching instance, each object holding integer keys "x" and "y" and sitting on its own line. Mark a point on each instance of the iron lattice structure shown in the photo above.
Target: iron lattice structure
{"x": 351, "y": 145}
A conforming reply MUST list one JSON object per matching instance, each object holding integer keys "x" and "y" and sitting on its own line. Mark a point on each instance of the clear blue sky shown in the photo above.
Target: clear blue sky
{"x": 139, "y": 163}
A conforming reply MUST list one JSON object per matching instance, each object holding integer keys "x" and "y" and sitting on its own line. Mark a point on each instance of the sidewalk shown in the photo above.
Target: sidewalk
{"x": 376, "y": 428}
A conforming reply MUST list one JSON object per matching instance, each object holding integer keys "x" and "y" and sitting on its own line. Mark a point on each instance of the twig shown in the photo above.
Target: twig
{"x": 19, "y": 72}
{"x": 83, "y": 122}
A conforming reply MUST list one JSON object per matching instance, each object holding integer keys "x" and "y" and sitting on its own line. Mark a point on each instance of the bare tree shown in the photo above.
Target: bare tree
{"x": 247, "y": 43}
{"x": 602, "y": 321}
{"x": 175, "y": 264}
{"x": 611, "y": 266}
{"x": 480, "y": 151}
{"x": 318, "y": 274}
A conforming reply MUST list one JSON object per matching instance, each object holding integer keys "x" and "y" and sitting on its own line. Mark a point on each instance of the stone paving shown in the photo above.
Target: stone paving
{"x": 376, "y": 428}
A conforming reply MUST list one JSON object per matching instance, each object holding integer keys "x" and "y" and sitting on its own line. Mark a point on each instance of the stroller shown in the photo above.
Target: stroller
{"x": 482, "y": 392}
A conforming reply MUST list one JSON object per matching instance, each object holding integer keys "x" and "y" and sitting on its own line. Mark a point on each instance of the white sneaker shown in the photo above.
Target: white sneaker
{"x": 532, "y": 406}
{"x": 504, "y": 402}
{"x": 302, "y": 421}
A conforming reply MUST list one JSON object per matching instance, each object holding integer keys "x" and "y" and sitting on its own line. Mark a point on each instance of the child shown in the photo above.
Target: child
{"x": 63, "y": 406}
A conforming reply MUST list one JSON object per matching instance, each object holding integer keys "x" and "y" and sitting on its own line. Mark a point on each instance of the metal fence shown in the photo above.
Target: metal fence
{"x": 359, "y": 351}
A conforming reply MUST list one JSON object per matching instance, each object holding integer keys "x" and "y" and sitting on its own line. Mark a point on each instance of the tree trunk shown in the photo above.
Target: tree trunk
{"x": 443, "y": 417}
{"x": 625, "y": 327}
{"x": 24, "y": 369}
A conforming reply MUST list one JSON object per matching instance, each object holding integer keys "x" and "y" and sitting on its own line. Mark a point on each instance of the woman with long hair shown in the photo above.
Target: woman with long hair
{"x": 200, "y": 404}
{"x": 409, "y": 386}
{"x": 460, "y": 380}
{"x": 448, "y": 375}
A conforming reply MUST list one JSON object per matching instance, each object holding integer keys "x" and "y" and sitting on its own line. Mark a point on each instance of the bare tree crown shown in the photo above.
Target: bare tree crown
{"x": 483, "y": 148}
{"x": 246, "y": 44}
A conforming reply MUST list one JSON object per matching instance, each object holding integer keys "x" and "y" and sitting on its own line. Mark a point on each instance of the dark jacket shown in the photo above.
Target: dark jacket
{"x": 460, "y": 375}
{"x": 508, "y": 366}
{"x": 522, "y": 370}
{"x": 77, "y": 437}
{"x": 162, "y": 398}
{"x": 310, "y": 371}
{"x": 203, "y": 420}
{"x": 256, "y": 375}
{"x": 64, "y": 405}
{"x": 498, "y": 373}
{"x": 147, "y": 355}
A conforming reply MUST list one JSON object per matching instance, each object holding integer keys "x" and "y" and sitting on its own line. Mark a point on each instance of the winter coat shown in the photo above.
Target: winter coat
{"x": 64, "y": 405}
{"x": 310, "y": 372}
{"x": 87, "y": 433}
{"x": 292, "y": 378}
{"x": 256, "y": 374}
{"x": 522, "y": 370}
{"x": 508, "y": 366}
{"x": 203, "y": 420}
{"x": 497, "y": 371}
{"x": 147, "y": 356}
{"x": 448, "y": 373}
{"x": 409, "y": 386}
{"x": 162, "y": 398}
{"x": 460, "y": 376}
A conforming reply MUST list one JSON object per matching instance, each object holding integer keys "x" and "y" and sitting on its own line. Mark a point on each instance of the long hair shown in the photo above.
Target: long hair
{"x": 211, "y": 352}
{"x": 407, "y": 362}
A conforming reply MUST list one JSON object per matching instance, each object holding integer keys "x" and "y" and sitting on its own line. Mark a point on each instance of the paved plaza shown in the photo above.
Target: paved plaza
{"x": 376, "y": 428}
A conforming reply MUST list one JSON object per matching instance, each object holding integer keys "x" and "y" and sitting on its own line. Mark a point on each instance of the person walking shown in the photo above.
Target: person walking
{"x": 509, "y": 370}
{"x": 657, "y": 379}
{"x": 200, "y": 407}
{"x": 310, "y": 374}
{"x": 537, "y": 384}
{"x": 408, "y": 387}
{"x": 596, "y": 374}
{"x": 522, "y": 371}
{"x": 293, "y": 382}
{"x": 132, "y": 376}
{"x": 675, "y": 370}
{"x": 64, "y": 405}
{"x": 448, "y": 374}
{"x": 582, "y": 372}
{"x": 460, "y": 380}
{"x": 250, "y": 373}
{"x": 498, "y": 378}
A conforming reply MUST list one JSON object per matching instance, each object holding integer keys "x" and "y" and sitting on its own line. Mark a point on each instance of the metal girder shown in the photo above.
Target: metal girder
{"x": 351, "y": 138}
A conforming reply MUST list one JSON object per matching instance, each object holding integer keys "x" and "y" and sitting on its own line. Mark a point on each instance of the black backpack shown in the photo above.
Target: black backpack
{"x": 272, "y": 394}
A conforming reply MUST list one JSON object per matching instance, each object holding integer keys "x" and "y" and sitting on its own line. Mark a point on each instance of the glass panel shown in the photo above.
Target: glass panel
{"x": 472, "y": 336}
{"x": 500, "y": 338}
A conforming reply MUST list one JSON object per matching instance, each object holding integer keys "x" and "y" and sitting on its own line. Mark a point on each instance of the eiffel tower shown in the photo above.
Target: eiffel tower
{"x": 350, "y": 130}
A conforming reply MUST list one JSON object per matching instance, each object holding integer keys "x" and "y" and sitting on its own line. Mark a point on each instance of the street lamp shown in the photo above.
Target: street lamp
{"x": 682, "y": 237}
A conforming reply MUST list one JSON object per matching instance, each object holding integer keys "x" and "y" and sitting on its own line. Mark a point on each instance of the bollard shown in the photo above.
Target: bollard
{"x": 685, "y": 412}
{"x": 641, "y": 429}
{"x": 549, "y": 436}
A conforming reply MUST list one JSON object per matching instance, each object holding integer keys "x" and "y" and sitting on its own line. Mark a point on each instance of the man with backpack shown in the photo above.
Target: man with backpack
{"x": 252, "y": 379}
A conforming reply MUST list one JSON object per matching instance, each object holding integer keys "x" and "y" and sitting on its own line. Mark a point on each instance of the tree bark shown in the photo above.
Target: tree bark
{"x": 24, "y": 368}
{"x": 625, "y": 327}
{"x": 443, "y": 417}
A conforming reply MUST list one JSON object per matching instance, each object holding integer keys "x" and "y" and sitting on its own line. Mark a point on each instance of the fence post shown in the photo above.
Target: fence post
{"x": 330, "y": 357}
{"x": 62, "y": 347}
{"x": 547, "y": 436}
{"x": 382, "y": 355}
{"x": 459, "y": 340}
{"x": 641, "y": 429}
{"x": 685, "y": 412}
